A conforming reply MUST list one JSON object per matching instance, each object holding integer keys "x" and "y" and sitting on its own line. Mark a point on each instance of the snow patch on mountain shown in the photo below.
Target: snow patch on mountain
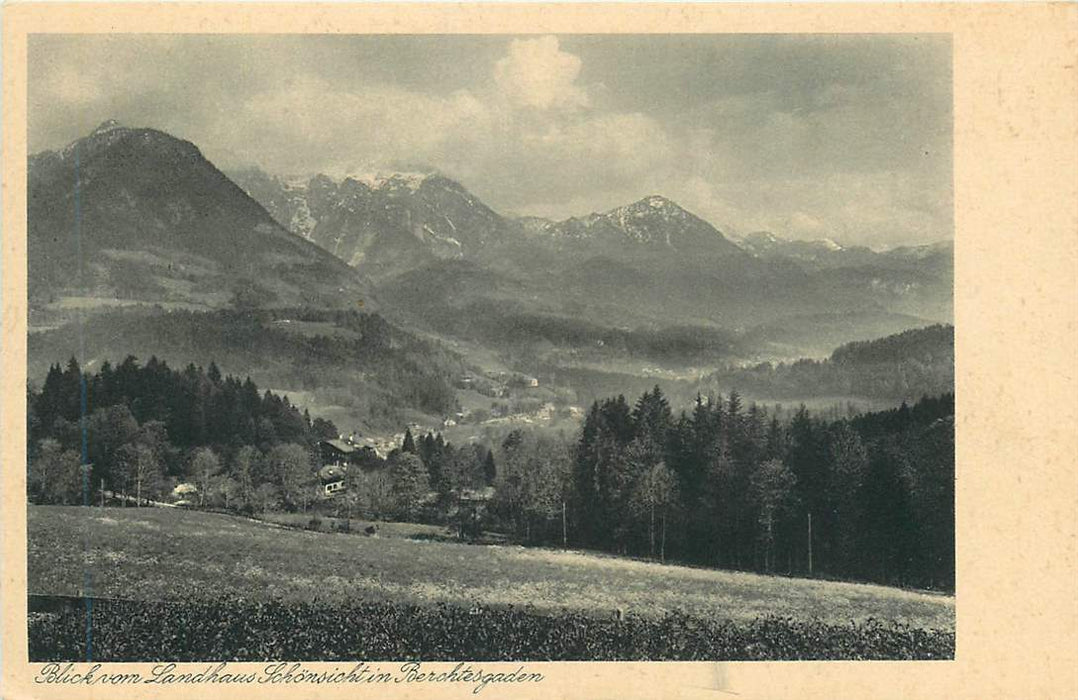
{"x": 384, "y": 181}
{"x": 106, "y": 126}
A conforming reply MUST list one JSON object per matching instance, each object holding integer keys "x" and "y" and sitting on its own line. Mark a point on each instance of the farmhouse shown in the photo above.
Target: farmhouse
{"x": 182, "y": 494}
{"x": 336, "y": 457}
{"x": 337, "y": 452}
{"x": 471, "y": 509}
{"x": 474, "y": 497}
{"x": 331, "y": 477}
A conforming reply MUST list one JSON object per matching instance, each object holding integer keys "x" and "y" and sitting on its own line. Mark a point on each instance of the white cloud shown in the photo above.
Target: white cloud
{"x": 522, "y": 131}
{"x": 537, "y": 73}
{"x": 511, "y": 144}
{"x": 70, "y": 86}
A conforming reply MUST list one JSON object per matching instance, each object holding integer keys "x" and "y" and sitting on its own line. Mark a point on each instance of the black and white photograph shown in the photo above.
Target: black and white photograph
{"x": 490, "y": 347}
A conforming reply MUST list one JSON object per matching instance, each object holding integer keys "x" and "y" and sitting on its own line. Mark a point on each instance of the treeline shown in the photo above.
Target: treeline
{"x": 928, "y": 345}
{"x": 138, "y": 431}
{"x": 349, "y": 358}
{"x": 869, "y": 498}
{"x": 142, "y": 429}
{"x": 669, "y": 344}
{"x": 725, "y": 485}
{"x": 904, "y": 366}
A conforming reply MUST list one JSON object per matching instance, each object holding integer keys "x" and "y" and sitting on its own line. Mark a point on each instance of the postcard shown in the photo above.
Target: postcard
{"x": 575, "y": 350}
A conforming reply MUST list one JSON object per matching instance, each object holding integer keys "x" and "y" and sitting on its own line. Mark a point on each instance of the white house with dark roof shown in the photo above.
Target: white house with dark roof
{"x": 331, "y": 477}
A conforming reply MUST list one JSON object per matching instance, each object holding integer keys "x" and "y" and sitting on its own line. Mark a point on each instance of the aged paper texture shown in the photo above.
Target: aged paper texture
{"x": 1015, "y": 145}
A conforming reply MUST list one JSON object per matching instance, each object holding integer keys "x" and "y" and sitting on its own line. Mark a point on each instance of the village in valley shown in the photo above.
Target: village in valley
{"x": 349, "y": 469}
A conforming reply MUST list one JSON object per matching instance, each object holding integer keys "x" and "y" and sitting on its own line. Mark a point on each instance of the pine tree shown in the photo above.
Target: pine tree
{"x": 410, "y": 484}
{"x": 808, "y": 460}
{"x": 490, "y": 471}
{"x": 584, "y": 496}
{"x": 651, "y": 416}
{"x": 889, "y": 531}
{"x": 848, "y": 459}
{"x": 50, "y": 403}
{"x": 71, "y": 406}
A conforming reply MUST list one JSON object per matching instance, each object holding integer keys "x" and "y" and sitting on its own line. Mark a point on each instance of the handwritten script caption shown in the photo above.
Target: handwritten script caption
{"x": 280, "y": 673}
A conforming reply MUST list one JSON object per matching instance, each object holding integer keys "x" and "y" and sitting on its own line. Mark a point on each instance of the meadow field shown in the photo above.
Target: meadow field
{"x": 169, "y": 557}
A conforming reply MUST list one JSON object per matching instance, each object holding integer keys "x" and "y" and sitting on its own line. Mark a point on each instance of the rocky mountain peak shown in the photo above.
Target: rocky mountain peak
{"x": 390, "y": 181}
{"x": 762, "y": 238}
{"x": 106, "y": 126}
{"x": 657, "y": 201}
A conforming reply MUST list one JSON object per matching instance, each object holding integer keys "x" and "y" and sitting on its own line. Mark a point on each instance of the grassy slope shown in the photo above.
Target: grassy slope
{"x": 168, "y": 554}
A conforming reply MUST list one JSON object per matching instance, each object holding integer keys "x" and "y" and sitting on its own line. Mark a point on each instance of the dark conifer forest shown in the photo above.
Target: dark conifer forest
{"x": 136, "y": 426}
{"x": 721, "y": 485}
{"x": 724, "y": 485}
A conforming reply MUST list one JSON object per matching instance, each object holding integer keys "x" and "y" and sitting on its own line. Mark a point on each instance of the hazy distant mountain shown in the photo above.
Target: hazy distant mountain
{"x": 913, "y": 280}
{"x": 825, "y": 253}
{"x": 359, "y": 217}
{"x": 138, "y": 215}
{"x": 454, "y": 265}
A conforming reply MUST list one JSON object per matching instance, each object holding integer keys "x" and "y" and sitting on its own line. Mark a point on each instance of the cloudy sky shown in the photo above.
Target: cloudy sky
{"x": 811, "y": 136}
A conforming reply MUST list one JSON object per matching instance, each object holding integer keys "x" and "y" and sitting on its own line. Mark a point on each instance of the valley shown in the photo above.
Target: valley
{"x": 647, "y": 290}
{"x": 392, "y": 308}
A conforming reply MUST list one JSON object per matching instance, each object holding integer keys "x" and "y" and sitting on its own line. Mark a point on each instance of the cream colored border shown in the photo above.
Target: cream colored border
{"x": 1016, "y": 175}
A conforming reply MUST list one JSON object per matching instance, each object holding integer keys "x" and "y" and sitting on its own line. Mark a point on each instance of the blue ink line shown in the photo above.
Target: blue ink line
{"x": 87, "y": 581}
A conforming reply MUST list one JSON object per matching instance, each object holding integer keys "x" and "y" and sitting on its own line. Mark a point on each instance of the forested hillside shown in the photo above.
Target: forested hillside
{"x": 376, "y": 373}
{"x": 900, "y": 367}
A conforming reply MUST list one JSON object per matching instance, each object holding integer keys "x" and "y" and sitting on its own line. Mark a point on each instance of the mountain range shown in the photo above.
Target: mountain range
{"x": 453, "y": 265}
{"x": 134, "y": 215}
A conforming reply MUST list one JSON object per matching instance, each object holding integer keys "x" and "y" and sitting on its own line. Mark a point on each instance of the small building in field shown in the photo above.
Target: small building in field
{"x": 331, "y": 478}
{"x": 183, "y": 494}
{"x": 477, "y": 496}
{"x": 470, "y": 510}
{"x": 184, "y": 490}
